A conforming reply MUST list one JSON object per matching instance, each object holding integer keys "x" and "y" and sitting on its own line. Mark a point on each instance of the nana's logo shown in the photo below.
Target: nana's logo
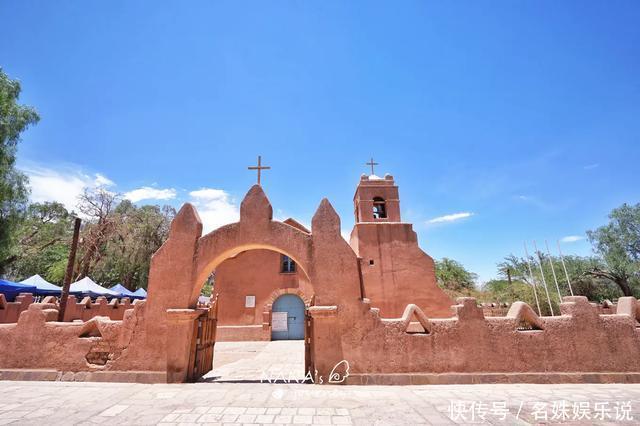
{"x": 338, "y": 374}
{"x": 335, "y": 376}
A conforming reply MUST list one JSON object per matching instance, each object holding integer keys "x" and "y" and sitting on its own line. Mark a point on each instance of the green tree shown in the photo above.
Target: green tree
{"x": 118, "y": 238}
{"x": 503, "y": 291}
{"x": 618, "y": 242}
{"x": 525, "y": 281}
{"x": 97, "y": 206}
{"x": 451, "y": 275}
{"x": 43, "y": 238}
{"x": 14, "y": 119}
{"x": 138, "y": 233}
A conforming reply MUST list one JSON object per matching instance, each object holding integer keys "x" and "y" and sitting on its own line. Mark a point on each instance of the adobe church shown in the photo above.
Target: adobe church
{"x": 263, "y": 294}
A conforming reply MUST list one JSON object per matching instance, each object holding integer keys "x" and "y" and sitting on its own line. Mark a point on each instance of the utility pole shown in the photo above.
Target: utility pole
{"x": 69, "y": 273}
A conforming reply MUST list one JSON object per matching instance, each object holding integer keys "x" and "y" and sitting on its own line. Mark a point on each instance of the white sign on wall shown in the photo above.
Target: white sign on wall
{"x": 250, "y": 302}
{"x": 279, "y": 321}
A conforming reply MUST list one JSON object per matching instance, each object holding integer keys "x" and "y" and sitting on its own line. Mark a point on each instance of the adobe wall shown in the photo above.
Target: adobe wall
{"x": 82, "y": 310}
{"x": 76, "y": 350}
{"x": 243, "y": 333}
{"x": 401, "y": 272}
{"x": 471, "y": 347}
{"x": 10, "y": 311}
{"x": 496, "y": 309}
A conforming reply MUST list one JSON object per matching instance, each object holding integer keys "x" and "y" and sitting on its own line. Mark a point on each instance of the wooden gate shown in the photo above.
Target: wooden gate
{"x": 309, "y": 366}
{"x": 201, "y": 356}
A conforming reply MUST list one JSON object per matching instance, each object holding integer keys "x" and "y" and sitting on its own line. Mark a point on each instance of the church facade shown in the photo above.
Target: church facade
{"x": 263, "y": 293}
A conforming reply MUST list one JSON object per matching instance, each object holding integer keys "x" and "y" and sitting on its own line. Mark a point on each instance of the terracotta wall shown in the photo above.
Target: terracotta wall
{"x": 37, "y": 341}
{"x": 10, "y": 311}
{"x": 243, "y": 333}
{"x": 495, "y": 309}
{"x": 579, "y": 340}
{"x": 83, "y": 310}
{"x": 501, "y": 309}
{"x": 86, "y": 309}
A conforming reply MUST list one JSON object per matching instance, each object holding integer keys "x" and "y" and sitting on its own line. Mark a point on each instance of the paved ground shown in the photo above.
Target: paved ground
{"x": 250, "y": 403}
{"x": 233, "y": 394}
{"x": 254, "y": 361}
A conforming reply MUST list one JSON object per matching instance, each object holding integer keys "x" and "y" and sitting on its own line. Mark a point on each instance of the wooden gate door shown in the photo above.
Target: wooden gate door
{"x": 309, "y": 368}
{"x": 204, "y": 342}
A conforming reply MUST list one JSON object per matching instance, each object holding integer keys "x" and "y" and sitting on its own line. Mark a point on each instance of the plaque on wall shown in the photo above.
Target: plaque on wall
{"x": 279, "y": 321}
{"x": 250, "y": 302}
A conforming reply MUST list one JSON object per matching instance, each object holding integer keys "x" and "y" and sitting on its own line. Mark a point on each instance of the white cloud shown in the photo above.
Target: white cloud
{"x": 533, "y": 201}
{"x": 63, "y": 186}
{"x": 450, "y": 217}
{"x": 571, "y": 238}
{"x": 215, "y": 207}
{"x": 591, "y": 166}
{"x": 149, "y": 193}
{"x": 102, "y": 180}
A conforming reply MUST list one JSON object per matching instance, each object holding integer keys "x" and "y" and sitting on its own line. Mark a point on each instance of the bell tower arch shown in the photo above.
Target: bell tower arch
{"x": 376, "y": 200}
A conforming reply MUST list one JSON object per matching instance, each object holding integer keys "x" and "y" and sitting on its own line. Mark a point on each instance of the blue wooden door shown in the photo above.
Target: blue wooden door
{"x": 294, "y": 307}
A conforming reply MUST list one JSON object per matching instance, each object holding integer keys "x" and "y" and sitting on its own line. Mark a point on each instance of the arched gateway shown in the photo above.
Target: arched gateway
{"x": 181, "y": 266}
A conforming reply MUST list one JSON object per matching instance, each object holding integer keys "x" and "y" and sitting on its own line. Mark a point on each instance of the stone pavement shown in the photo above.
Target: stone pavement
{"x": 253, "y": 361}
{"x": 254, "y": 403}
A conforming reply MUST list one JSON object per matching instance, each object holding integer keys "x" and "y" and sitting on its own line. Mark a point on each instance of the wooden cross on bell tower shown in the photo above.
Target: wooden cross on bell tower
{"x": 259, "y": 168}
{"x": 372, "y": 163}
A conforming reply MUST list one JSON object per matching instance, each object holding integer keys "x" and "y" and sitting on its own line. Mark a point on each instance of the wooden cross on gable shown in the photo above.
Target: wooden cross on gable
{"x": 259, "y": 168}
{"x": 372, "y": 163}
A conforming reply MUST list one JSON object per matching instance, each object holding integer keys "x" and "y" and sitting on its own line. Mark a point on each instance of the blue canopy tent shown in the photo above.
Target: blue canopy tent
{"x": 125, "y": 292}
{"x": 141, "y": 292}
{"x": 43, "y": 287}
{"x": 11, "y": 289}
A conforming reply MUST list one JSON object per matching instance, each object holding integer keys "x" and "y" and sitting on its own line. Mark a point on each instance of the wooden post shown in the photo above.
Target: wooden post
{"x": 69, "y": 273}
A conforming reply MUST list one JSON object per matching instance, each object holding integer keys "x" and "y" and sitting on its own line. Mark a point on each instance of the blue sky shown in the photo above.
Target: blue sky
{"x": 525, "y": 115}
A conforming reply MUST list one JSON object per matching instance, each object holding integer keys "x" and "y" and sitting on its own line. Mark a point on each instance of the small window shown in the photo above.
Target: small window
{"x": 379, "y": 208}
{"x": 287, "y": 265}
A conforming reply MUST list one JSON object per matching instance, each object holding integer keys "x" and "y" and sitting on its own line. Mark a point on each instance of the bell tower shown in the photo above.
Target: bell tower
{"x": 376, "y": 200}
{"x": 395, "y": 271}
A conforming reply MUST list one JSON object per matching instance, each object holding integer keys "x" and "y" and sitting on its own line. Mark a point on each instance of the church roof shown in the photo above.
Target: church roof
{"x": 297, "y": 225}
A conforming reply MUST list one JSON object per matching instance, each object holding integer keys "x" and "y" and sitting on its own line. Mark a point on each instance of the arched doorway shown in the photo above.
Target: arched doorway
{"x": 287, "y": 318}
{"x": 247, "y": 285}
